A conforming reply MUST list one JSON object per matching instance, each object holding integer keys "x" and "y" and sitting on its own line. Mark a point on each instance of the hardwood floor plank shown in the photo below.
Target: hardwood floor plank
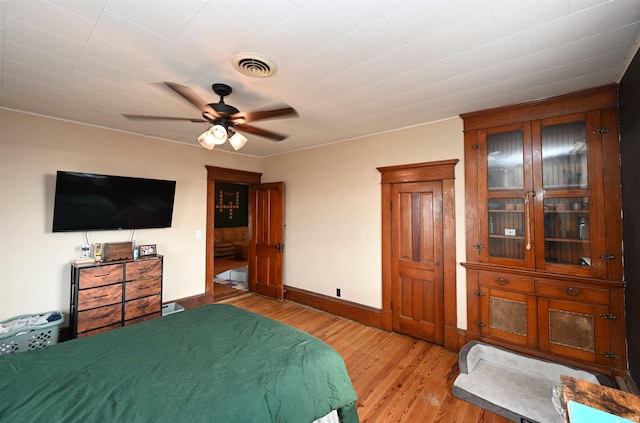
{"x": 399, "y": 379}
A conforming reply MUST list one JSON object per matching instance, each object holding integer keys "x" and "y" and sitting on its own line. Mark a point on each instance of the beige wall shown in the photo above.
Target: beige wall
{"x": 332, "y": 214}
{"x": 333, "y": 208}
{"x": 34, "y": 262}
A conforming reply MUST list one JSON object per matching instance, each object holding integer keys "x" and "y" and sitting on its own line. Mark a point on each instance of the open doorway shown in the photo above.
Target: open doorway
{"x": 231, "y": 239}
{"x": 236, "y": 215}
{"x": 266, "y": 232}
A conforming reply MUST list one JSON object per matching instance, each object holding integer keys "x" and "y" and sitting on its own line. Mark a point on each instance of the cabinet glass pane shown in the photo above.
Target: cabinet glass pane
{"x": 504, "y": 160}
{"x": 506, "y": 228}
{"x": 566, "y": 231}
{"x": 564, "y": 156}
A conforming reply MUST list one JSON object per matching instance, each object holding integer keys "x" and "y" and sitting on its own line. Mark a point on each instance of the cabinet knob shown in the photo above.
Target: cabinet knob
{"x": 609, "y": 354}
{"x": 502, "y": 281}
{"x": 608, "y": 316}
{"x": 572, "y": 291}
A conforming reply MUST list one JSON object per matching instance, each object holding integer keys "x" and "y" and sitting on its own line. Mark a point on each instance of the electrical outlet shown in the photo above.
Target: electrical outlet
{"x": 337, "y": 292}
{"x": 85, "y": 251}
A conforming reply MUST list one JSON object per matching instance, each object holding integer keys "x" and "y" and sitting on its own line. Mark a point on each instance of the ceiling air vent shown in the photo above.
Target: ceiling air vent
{"x": 254, "y": 65}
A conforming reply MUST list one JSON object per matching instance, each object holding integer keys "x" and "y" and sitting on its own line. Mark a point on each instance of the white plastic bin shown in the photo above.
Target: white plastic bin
{"x": 171, "y": 308}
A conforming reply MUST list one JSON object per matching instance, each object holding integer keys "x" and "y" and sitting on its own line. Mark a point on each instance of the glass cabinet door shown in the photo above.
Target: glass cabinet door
{"x": 564, "y": 156}
{"x": 507, "y": 228}
{"x": 566, "y": 231}
{"x": 566, "y": 194}
{"x": 505, "y": 161}
{"x": 505, "y": 152}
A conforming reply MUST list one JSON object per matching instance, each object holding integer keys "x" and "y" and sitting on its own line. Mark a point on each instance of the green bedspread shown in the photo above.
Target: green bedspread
{"x": 216, "y": 363}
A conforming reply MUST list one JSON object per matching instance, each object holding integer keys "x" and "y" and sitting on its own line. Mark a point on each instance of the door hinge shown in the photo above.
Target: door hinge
{"x": 478, "y": 246}
{"x": 475, "y": 146}
{"x": 390, "y": 205}
{"x": 609, "y": 354}
{"x": 607, "y": 256}
{"x": 479, "y": 324}
{"x": 601, "y": 131}
{"x": 479, "y": 294}
{"x": 608, "y": 316}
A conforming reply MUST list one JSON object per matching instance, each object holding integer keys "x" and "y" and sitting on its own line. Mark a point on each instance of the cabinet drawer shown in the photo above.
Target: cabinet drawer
{"x": 142, "y": 306}
{"x": 573, "y": 292}
{"x": 100, "y": 330}
{"x": 99, "y": 317}
{"x": 142, "y": 319}
{"x": 100, "y": 275}
{"x": 143, "y": 269}
{"x": 143, "y": 288}
{"x": 98, "y": 297}
{"x": 512, "y": 283}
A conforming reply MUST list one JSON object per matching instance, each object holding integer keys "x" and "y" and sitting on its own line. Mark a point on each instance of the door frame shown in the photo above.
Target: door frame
{"x": 444, "y": 172}
{"x": 222, "y": 174}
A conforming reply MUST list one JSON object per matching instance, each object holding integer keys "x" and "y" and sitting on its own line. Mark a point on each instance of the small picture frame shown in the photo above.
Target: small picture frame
{"x": 147, "y": 250}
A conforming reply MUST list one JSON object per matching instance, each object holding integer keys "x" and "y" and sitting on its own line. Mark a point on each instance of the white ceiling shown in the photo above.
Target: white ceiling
{"x": 349, "y": 67}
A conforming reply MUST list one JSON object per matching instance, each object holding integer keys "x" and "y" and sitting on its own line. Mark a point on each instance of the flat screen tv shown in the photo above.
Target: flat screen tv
{"x": 91, "y": 202}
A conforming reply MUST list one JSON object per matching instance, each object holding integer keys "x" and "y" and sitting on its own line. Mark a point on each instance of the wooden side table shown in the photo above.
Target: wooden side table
{"x": 613, "y": 401}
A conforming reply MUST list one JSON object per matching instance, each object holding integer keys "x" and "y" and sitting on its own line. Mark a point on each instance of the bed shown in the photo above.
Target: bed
{"x": 216, "y": 363}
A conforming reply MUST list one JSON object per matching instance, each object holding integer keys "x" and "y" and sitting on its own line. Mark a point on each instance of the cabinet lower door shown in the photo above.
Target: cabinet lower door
{"x": 574, "y": 330}
{"x": 508, "y": 316}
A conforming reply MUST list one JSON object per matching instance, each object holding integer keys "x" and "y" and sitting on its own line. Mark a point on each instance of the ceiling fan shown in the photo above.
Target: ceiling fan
{"x": 225, "y": 119}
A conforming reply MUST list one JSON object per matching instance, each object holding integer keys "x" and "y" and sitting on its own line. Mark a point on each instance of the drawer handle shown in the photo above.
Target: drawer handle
{"x": 502, "y": 281}
{"x": 104, "y": 275}
{"x": 574, "y": 292}
{"x": 102, "y": 316}
{"x": 100, "y": 296}
{"x": 144, "y": 287}
{"x": 144, "y": 269}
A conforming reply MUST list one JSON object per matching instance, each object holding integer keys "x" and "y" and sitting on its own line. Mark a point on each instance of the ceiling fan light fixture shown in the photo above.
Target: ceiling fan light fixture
{"x": 218, "y": 133}
{"x": 237, "y": 140}
{"x": 207, "y": 140}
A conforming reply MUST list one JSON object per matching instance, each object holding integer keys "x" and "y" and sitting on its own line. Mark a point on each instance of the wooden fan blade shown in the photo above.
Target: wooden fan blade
{"x": 265, "y": 114}
{"x": 148, "y": 117}
{"x": 260, "y": 132}
{"x": 193, "y": 98}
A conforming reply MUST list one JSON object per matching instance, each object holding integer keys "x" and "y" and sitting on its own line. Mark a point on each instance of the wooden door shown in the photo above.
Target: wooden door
{"x": 266, "y": 257}
{"x": 417, "y": 255}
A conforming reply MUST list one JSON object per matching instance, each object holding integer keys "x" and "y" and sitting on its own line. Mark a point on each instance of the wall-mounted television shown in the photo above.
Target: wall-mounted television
{"x": 92, "y": 202}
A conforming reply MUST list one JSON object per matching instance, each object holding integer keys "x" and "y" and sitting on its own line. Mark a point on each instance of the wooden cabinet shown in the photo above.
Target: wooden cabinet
{"x": 544, "y": 218}
{"x": 108, "y": 296}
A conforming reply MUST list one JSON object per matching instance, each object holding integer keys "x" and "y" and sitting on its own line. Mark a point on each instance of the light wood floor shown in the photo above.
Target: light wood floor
{"x": 398, "y": 379}
{"x": 224, "y": 292}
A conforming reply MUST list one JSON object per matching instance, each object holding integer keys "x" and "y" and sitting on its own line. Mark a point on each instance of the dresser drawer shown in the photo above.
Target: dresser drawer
{"x": 100, "y": 330}
{"x": 142, "y": 306}
{"x": 573, "y": 292}
{"x": 100, "y": 275}
{"x": 99, "y": 317}
{"x": 512, "y": 283}
{"x": 143, "y": 269}
{"x": 98, "y": 297}
{"x": 142, "y": 319}
{"x": 143, "y": 288}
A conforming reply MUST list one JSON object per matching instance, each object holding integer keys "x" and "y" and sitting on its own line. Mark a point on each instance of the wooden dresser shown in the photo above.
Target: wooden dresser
{"x": 107, "y": 296}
